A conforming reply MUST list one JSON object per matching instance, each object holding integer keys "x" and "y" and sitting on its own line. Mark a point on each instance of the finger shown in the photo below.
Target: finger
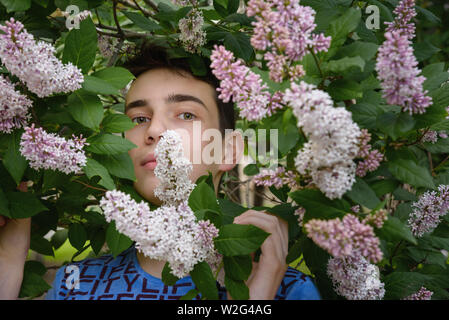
{"x": 272, "y": 246}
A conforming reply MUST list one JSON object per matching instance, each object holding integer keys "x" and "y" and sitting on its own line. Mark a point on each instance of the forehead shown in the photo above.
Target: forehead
{"x": 157, "y": 84}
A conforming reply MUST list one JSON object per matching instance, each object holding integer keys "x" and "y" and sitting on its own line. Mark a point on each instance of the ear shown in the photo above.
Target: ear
{"x": 233, "y": 150}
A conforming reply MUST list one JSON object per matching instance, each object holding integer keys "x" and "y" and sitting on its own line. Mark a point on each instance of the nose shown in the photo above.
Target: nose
{"x": 155, "y": 130}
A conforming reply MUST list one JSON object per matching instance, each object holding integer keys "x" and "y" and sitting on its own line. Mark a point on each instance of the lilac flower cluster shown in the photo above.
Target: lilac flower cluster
{"x": 106, "y": 45}
{"x": 346, "y": 237}
{"x": 48, "y": 151}
{"x": 333, "y": 139}
{"x": 396, "y": 65}
{"x": 355, "y": 278}
{"x": 276, "y": 177}
{"x": 377, "y": 218}
{"x": 192, "y": 36}
{"x": 428, "y": 210}
{"x": 14, "y": 107}
{"x": 34, "y": 63}
{"x": 171, "y": 232}
{"x": 371, "y": 158}
{"x": 421, "y": 294}
{"x": 404, "y": 12}
{"x": 284, "y": 30}
{"x": 172, "y": 169}
{"x": 432, "y": 136}
{"x": 244, "y": 86}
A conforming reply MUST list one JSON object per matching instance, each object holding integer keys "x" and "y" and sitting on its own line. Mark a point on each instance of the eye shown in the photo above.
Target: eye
{"x": 186, "y": 116}
{"x": 140, "y": 119}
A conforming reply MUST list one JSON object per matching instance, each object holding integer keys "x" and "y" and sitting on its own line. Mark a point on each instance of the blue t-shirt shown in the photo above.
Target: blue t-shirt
{"x": 122, "y": 278}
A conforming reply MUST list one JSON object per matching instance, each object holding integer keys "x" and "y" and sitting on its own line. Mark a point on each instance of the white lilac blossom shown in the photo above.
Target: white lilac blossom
{"x": 428, "y": 210}
{"x": 355, "y": 278}
{"x": 192, "y": 36}
{"x": 172, "y": 169}
{"x": 276, "y": 177}
{"x": 14, "y": 107}
{"x": 333, "y": 139}
{"x": 169, "y": 233}
{"x": 48, "y": 151}
{"x": 34, "y": 63}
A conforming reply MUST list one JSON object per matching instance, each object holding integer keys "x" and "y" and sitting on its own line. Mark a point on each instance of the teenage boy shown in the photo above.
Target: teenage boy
{"x": 164, "y": 96}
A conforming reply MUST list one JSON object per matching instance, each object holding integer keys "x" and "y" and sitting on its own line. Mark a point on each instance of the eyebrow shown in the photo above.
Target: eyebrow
{"x": 170, "y": 99}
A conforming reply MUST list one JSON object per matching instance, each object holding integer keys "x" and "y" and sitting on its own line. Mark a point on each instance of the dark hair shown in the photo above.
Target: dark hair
{"x": 150, "y": 56}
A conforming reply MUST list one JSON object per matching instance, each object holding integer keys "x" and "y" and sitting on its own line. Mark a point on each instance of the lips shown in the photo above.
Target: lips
{"x": 149, "y": 162}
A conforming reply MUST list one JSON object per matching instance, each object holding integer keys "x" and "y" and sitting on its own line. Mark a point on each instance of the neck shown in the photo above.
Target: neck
{"x": 151, "y": 266}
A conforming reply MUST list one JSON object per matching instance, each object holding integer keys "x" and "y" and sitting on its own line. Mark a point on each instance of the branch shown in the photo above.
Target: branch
{"x": 152, "y": 5}
{"x": 119, "y": 29}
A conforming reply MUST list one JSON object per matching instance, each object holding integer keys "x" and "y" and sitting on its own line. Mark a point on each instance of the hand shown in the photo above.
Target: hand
{"x": 267, "y": 274}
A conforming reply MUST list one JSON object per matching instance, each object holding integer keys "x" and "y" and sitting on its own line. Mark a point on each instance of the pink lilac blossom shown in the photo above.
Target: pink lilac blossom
{"x": 284, "y": 29}
{"x": 371, "y": 158}
{"x": 377, "y": 218}
{"x": 404, "y": 12}
{"x": 172, "y": 169}
{"x": 421, "y": 294}
{"x": 398, "y": 73}
{"x": 107, "y": 45}
{"x": 346, "y": 237}
{"x": 48, "y": 151}
{"x": 192, "y": 36}
{"x": 34, "y": 63}
{"x": 169, "y": 233}
{"x": 244, "y": 86}
{"x": 14, "y": 107}
{"x": 428, "y": 210}
{"x": 355, "y": 278}
{"x": 276, "y": 177}
{"x": 333, "y": 139}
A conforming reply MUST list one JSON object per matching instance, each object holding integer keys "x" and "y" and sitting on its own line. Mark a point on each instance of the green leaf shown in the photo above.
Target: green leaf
{"x": 317, "y": 205}
{"x": 81, "y": 46}
{"x": 395, "y": 125}
{"x": 33, "y": 285}
{"x": 362, "y": 193}
{"x": 366, "y": 50}
{"x": 441, "y": 146}
{"x": 340, "y": 28}
{"x": 86, "y": 108}
{"x": 236, "y": 288}
{"x": 97, "y": 85}
{"x": 288, "y": 138}
{"x": 237, "y": 240}
{"x": 94, "y": 168}
{"x": 41, "y": 245}
{"x": 384, "y": 186}
{"x": 343, "y": 89}
{"x": 77, "y": 235}
{"x": 220, "y": 8}
{"x": 436, "y": 112}
{"x": 13, "y": 160}
{"x": 167, "y": 276}
{"x": 408, "y": 171}
{"x": 116, "y": 123}
{"x": 399, "y": 285}
{"x": 24, "y": 204}
{"x": 345, "y": 64}
{"x": 365, "y": 114}
{"x": 203, "y": 197}
{"x": 16, "y": 5}
{"x": 141, "y": 21}
{"x": 204, "y": 280}
{"x": 116, "y": 76}
{"x": 119, "y": 165}
{"x": 58, "y": 238}
{"x": 435, "y": 75}
{"x": 239, "y": 44}
{"x": 238, "y": 267}
{"x": 424, "y": 50}
{"x": 394, "y": 229}
{"x": 109, "y": 144}
{"x": 190, "y": 295}
{"x": 97, "y": 240}
{"x": 230, "y": 210}
{"x": 116, "y": 241}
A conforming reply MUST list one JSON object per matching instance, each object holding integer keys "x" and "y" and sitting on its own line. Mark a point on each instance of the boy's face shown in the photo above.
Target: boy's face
{"x": 160, "y": 100}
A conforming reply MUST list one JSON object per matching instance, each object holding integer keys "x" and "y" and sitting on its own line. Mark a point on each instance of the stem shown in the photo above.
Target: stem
{"x": 395, "y": 251}
{"x": 119, "y": 29}
{"x": 317, "y": 63}
{"x": 89, "y": 186}
{"x": 441, "y": 163}
{"x": 429, "y": 155}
